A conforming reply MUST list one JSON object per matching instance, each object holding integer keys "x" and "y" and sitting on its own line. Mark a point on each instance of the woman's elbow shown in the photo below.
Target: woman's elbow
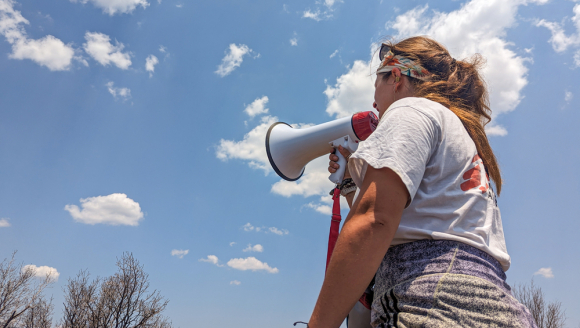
{"x": 378, "y": 219}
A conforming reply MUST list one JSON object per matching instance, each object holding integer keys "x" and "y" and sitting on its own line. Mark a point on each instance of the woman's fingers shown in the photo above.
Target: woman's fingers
{"x": 333, "y": 166}
{"x": 343, "y": 151}
{"x": 333, "y": 158}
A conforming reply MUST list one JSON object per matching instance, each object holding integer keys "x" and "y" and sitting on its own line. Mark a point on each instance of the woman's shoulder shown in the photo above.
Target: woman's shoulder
{"x": 438, "y": 113}
{"x": 420, "y": 107}
{"x": 421, "y": 104}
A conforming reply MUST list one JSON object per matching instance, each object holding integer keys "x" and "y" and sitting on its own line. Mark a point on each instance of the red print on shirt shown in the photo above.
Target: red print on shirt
{"x": 476, "y": 176}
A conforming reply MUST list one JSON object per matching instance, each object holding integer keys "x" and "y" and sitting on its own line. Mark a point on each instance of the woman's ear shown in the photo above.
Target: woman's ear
{"x": 397, "y": 74}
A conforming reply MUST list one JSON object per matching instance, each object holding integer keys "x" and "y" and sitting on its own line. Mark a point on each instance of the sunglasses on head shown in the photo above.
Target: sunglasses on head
{"x": 385, "y": 48}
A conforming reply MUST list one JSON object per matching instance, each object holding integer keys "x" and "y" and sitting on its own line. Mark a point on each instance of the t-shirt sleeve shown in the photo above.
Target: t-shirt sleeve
{"x": 403, "y": 141}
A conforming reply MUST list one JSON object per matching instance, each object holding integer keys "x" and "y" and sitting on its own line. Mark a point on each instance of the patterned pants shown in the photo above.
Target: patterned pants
{"x": 442, "y": 283}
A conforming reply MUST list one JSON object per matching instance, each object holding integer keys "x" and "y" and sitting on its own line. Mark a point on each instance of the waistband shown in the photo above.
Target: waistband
{"x": 409, "y": 261}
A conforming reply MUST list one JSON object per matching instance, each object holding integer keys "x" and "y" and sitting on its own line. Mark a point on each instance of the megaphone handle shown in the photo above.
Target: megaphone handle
{"x": 337, "y": 176}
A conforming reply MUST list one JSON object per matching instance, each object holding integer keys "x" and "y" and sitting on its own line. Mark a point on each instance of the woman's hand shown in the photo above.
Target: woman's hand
{"x": 333, "y": 165}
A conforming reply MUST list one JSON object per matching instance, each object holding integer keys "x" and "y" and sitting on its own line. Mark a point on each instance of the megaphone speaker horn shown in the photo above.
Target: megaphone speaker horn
{"x": 295, "y": 175}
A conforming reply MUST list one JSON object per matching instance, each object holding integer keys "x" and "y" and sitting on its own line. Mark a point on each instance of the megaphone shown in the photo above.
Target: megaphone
{"x": 289, "y": 149}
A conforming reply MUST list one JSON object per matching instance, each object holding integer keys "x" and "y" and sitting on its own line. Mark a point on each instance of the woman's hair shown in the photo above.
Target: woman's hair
{"x": 457, "y": 85}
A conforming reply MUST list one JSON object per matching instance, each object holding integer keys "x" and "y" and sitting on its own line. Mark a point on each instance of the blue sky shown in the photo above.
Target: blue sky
{"x": 138, "y": 125}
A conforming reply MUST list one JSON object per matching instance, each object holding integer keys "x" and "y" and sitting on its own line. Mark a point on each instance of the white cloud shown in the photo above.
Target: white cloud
{"x": 330, "y": 3}
{"x": 353, "y": 91}
{"x": 495, "y": 130}
{"x": 112, "y": 7}
{"x": 568, "y": 96}
{"x": 114, "y": 209}
{"x": 577, "y": 58}
{"x": 256, "y": 248}
{"x": 320, "y": 208}
{"x": 48, "y": 51}
{"x": 180, "y": 253}
{"x": 164, "y": 51}
{"x": 321, "y": 13}
{"x": 316, "y": 15}
{"x": 334, "y": 53}
{"x": 150, "y": 63}
{"x": 257, "y": 107}
{"x": 545, "y": 272}
{"x": 43, "y": 271}
{"x": 294, "y": 40}
{"x": 251, "y": 263}
{"x": 248, "y": 227}
{"x": 277, "y": 231}
{"x": 4, "y": 223}
{"x": 99, "y": 47}
{"x": 233, "y": 242}
{"x": 212, "y": 259}
{"x": 233, "y": 59}
{"x": 559, "y": 40}
{"x": 235, "y": 282}
{"x": 251, "y": 148}
{"x": 123, "y": 93}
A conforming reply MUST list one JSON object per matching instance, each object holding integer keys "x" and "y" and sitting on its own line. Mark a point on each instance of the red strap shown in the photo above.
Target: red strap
{"x": 366, "y": 299}
{"x": 334, "y": 224}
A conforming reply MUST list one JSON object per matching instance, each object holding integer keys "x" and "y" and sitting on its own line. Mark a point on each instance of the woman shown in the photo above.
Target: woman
{"x": 424, "y": 217}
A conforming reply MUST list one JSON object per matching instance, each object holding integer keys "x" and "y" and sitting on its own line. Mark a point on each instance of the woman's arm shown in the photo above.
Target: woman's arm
{"x": 361, "y": 246}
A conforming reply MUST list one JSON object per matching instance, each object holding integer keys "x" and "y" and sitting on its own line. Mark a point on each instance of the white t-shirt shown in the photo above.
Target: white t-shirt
{"x": 450, "y": 198}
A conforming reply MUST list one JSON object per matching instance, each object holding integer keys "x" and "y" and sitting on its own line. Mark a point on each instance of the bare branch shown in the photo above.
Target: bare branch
{"x": 119, "y": 301}
{"x": 19, "y": 290}
{"x": 546, "y": 315}
{"x": 39, "y": 315}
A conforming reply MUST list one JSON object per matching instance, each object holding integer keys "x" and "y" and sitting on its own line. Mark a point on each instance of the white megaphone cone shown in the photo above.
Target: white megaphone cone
{"x": 289, "y": 149}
